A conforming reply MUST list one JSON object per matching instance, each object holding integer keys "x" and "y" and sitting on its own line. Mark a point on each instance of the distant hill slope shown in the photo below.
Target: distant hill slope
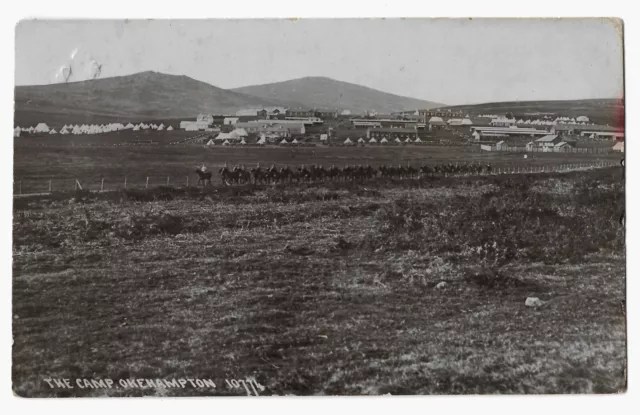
{"x": 145, "y": 95}
{"x": 327, "y": 93}
{"x": 604, "y": 111}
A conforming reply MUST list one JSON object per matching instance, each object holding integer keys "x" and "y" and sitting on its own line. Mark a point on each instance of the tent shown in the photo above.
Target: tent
{"x": 64, "y": 131}
{"x": 211, "y": 142}
{"x": 243, "y": 142}
{"x": 582, "y": 118}
{"x": 224, "y": 136}
{"x": 42, "y": 128}
{"x": 360, "y": 140}
{"x": 53, "y": 131}
{"x": 348, "y": 141}
{"x": 294, "y": 141}
{"x": 397, "y": 140}
{"x": 373, "y": 140}
{"x": 128, "y": 126}
{"x": 240, "y": 132}
{"x": 619, "y": 146}
{"x": 408, "y": 140}
{"x": 263, "y": 140}
{"x": 417, "y": 140}
{"x": 160, "y": 127}
{"x": 226, "y": 143}
{"x": 136, "y": 128}
{"x": 384, "y": 140}
{"x": 169, "y": 128}
{"x": 467, "y": 121}
{"x": 284, "y": 141}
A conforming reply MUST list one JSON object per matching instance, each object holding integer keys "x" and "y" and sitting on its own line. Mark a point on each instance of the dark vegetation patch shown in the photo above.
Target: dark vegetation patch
{"x": 326, "y": 296}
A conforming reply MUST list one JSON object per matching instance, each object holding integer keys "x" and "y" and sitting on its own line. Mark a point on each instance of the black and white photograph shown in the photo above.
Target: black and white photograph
{"x": 318, "y": 207}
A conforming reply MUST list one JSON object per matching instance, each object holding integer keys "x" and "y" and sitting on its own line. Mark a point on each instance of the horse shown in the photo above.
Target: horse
{"x": 258, "y": 175}
{"x": 204, "y": 177}
{"x": 226, "y": 175}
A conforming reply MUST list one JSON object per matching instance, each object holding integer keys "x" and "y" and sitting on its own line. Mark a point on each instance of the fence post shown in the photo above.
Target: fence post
{"x": 49, "y": 186}
{"x": 125, "y": 182}
{"x": 187, "y": 181}
{"x": 146, "y": 185}
{"x": 102, "y": 185}
{"x": 167, "y": 181}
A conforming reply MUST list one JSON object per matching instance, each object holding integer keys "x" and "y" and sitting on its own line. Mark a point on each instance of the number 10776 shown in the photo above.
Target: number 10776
{"x": 250, "y": 385}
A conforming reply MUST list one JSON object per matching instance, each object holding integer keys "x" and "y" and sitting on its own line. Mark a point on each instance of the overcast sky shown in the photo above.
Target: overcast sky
{"x": 449, "y": 61}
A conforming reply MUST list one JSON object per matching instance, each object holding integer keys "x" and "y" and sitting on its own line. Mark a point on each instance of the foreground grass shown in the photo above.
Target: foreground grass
{"x": 316, "y": 290}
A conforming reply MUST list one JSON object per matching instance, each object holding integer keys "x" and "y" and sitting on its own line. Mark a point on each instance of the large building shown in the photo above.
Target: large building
{"x": 281, "y": 128}
{"x": 485, "y": 132}
{"x": 586, "y": 130}
{"x": 503, "y": 121}
{"x": 297, "y": 112}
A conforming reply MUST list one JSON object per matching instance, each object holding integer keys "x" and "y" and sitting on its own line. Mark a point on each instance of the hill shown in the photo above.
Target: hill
{"x": 604, "y": 111}
{"x": 141, "y": 96}
{"x": 327, "y": 93}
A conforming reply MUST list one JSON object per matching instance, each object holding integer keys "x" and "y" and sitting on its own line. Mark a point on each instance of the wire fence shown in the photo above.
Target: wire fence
{"x": 48, "y": 186}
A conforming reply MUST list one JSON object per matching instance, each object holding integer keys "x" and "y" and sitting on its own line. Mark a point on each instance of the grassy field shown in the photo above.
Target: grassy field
{"x": 323, "y": 289}
{"x": 105, "y": 139}
{"x": 35, "y": 166}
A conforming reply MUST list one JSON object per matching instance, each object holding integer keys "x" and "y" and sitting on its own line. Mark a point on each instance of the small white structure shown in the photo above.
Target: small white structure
{"x": 619, "y": 146}
{"x": 226, "y": 143}
{"x": 397, "y": 140}
{"x": 169, "y": 128}
{"x": 294, "y": 141}
{"x": 136, "y": 128}
{"x": 417, "y": 140}
{"x": 384, "y": 140}
{"x": 466, "y": 121}
{"x": 128, "y": 126}
{"x": 284, "y": 141}
{"x": 533, "y": 302}
{"x": 348, "y": 141}
{"x": 240, "y": 132}
{"x": 361, "y": 140}
{"x": 324, "y": 137}
{"x": 408, "y": 140}
{"x": 262, "y": 140}
{"x": 53, "y": 131}
{"x": 211, "y": 142}
{"x": 243, "y": 142}
{"x": 16, "y": 132}
{"x": 582, "y": 118}
{"x": 373, "y": 140}
{"x": 42, "y": 128}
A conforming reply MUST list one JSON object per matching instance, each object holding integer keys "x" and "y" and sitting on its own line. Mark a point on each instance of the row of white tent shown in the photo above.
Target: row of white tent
{"x": 383, "y": 140}
{"x": 554, "y": 122}
{"x": 43, "y": 128}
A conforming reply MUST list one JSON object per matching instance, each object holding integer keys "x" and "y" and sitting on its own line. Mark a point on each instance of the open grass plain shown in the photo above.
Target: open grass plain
{"x": 62, "y": 163}
{"x": 319, "y": 289}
